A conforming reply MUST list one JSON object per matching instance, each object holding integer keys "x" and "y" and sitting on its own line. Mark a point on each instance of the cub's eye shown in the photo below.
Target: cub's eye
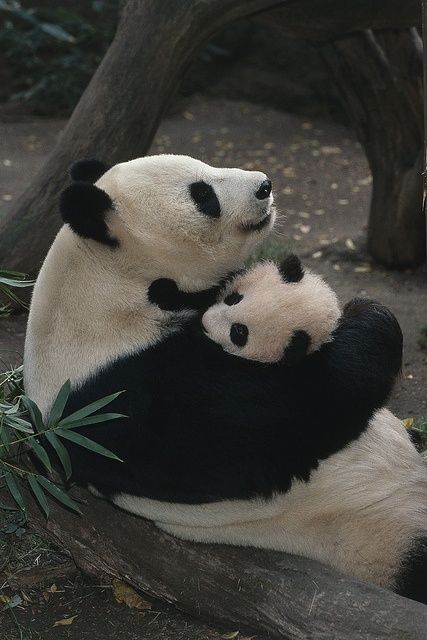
{"x": 233, "y": 298}
{"x": 206, "y": 199}
{"x": 239, "y": 334}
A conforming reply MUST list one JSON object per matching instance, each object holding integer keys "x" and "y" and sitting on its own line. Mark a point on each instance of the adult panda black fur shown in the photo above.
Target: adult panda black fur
{"x": 91, "y": 319}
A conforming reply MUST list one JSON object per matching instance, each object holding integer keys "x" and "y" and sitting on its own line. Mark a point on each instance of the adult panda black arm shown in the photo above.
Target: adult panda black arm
{"x": 166, "y": 295}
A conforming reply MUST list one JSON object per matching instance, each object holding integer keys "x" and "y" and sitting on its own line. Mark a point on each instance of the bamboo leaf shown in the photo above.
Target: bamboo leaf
{"x": 16, "y": 283}
{"x": 5, "y": 507}
{"x": 34, "y": 411}
{"x": 14, "y": 489}
{"x": 38, "y": 494}
{"x": 61, "y": 452}
{"x": 89, "y": 409}
{"x": 77, "y": 438}
{"x": 4, "y": 440}
{"x": 99, "y": 417}
{"x": 40, "y": 452}
{"x": 59, "y": 404}
{"x": 58, "y": 494}
{"x": 18, "y": 424}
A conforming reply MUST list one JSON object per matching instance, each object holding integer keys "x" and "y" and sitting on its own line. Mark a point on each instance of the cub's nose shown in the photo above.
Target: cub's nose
{"x": 264, "y": 190}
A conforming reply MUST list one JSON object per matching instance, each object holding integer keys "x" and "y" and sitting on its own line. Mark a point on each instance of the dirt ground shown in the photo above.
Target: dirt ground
{"x": 322, "y": 185}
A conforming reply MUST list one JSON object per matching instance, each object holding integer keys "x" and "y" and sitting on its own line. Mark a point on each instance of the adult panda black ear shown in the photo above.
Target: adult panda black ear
{"x": 84, "y": 206}
{"x": 297, "y": 349}
{"x": 291, "y": 269}
{"x": 89, "y": 170}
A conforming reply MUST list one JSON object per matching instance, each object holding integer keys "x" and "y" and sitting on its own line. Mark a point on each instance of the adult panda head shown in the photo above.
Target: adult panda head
{"x": 176, "y": 215}
{"x": 158, "y": 216}
{"x": 273, "y": 313}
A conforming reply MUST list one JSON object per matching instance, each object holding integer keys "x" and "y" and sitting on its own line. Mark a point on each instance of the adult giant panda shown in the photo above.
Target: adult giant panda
{"x": 175, "y": 217}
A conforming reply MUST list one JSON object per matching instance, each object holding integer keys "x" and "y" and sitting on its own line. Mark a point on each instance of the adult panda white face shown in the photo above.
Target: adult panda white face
{"x": 273, "y": 313}
{"x": 185, "y": 219}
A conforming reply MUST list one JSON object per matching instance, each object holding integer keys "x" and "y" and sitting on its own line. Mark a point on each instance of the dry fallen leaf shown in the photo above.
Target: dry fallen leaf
{"x": 4, "y": 599}
{"x": 329, "y": 150}
{"x": 408, "y": 423}
{"x": 231, "y": 635}
{"x": 363, "y": 268}
{"x": 122, "y": 592}
{"x": 65, "y": 622}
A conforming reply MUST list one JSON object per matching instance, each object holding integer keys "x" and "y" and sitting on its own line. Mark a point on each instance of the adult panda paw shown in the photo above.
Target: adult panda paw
{"x": 165, "y": 294}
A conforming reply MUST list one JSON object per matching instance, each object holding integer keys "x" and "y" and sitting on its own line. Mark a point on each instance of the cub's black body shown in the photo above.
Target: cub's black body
{"x": 204, "y": 426}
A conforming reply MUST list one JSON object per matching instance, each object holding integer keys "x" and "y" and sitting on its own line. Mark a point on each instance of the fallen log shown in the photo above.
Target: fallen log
{"x": 258, "y": 591}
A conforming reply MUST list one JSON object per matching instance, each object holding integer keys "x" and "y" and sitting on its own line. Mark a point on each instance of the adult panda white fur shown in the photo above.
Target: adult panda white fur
{"x": 157, "y": 217}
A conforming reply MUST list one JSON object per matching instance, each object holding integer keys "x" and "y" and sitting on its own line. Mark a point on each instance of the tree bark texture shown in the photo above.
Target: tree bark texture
{"x": 379, "y": 76}
{"x": 269, "y": 593}
{"x": 120, "y": 110}
{"x": 324, "y": 20}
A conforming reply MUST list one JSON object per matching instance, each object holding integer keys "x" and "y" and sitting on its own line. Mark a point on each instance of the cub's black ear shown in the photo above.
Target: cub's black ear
{"x": 83, "y": 206}
{"x": 291, "y": 269}
{"x": 297, "y": 349}
{"x": 88, "y": 170}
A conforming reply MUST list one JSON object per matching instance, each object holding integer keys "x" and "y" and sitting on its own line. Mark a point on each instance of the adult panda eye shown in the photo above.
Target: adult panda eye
{"x": 206, "y": 199}
{"x": 233, "y": 298}
{"x": 239, "y": 334}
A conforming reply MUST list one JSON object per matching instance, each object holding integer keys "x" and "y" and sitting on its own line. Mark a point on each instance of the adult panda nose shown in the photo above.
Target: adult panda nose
{"x": 264, "y": 190}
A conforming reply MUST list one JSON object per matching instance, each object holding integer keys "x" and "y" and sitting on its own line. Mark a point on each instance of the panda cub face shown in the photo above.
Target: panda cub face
{"x": 272, "y": 313}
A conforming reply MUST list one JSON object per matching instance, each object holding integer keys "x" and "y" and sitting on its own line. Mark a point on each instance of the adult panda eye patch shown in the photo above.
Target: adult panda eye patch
{"x": 206, "y": 199}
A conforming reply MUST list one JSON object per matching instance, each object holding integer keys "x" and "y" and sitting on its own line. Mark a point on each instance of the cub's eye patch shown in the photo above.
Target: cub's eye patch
{"x": 205, "y": 198}
{"x": 233, "y": 298}
{"x": 239, "y": 334}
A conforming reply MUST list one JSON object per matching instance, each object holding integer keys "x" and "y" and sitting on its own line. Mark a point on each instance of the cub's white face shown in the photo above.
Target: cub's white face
{"x": 194, "y": 221}
{"x": 259, "y": 313}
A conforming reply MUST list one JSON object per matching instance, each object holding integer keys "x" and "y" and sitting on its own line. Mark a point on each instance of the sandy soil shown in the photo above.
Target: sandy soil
{"x": 322, "y": 185}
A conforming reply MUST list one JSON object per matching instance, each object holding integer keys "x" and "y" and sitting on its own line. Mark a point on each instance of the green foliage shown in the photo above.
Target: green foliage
{"x": 52, "y": 53}
{"x": 273, "y": 249}
{"x": 22, "y": 428}
{"x": 420, "y": 429}
{"x": 9, "y": 280}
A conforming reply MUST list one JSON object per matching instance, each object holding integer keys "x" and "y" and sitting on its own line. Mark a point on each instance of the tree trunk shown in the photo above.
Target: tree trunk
{"x": 118, "y": 114}
{"x": 275, "y": 594}
{"x": 379, "y": 77}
